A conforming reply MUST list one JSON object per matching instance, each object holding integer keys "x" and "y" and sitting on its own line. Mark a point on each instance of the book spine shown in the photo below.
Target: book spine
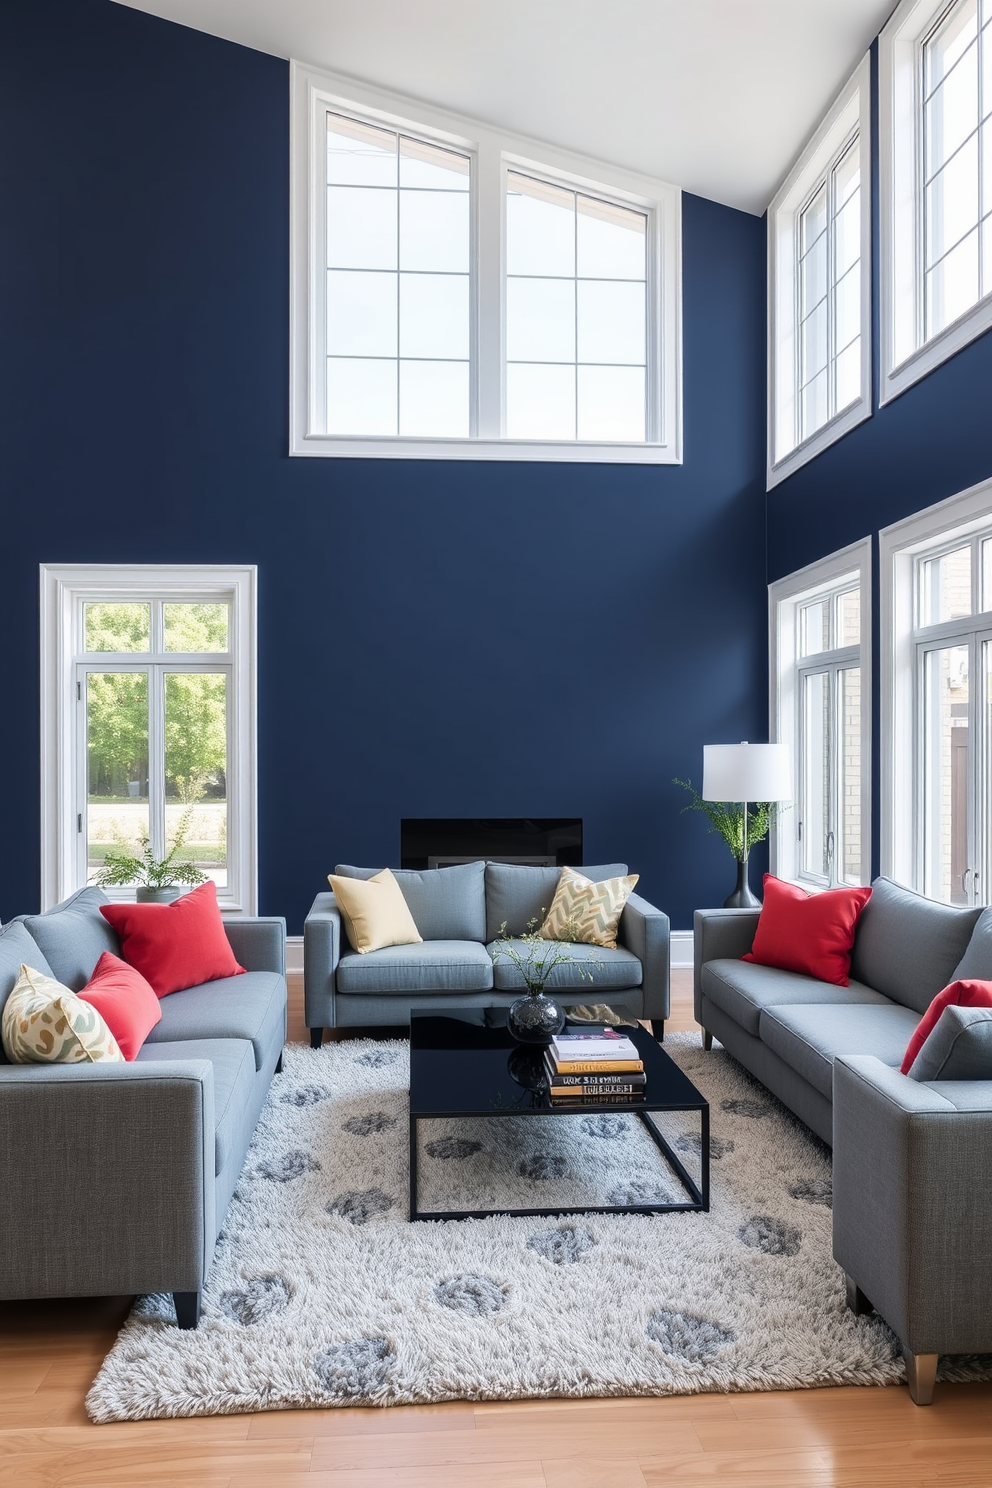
{"x": 596, "y": 1066}
{"x": 597, "y": 1079}
{"x": 582, "y": 1092}
{"x": 571, "y": 1099}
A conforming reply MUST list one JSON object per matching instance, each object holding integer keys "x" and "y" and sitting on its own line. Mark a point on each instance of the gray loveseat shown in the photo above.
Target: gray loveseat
{"x": 912, "y": 1160}
{"x": 459, "y": 911}
{"x": 117, "y": 1176}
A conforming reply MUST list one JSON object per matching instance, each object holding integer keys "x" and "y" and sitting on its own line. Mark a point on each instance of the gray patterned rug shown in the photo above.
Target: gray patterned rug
{"x": 322, "y": 1293}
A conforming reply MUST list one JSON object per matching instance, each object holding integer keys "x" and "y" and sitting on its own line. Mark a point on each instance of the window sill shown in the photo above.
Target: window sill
{"x": 841, "y": 424}
{"x": 939, "y": 349}
{"x": 567, "y": 451}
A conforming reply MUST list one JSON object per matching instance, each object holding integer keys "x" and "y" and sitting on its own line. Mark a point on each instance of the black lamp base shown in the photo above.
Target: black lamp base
{"x": 742, "y": 898}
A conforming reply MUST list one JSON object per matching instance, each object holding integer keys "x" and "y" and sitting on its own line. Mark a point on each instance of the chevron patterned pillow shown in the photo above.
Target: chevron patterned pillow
{"x": 586, "y": 911}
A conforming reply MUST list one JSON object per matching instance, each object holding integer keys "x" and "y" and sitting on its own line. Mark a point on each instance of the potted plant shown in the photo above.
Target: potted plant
{"x": 159, "y": 880}
{"x": 535, "y": 1018}
{"x": 741, "y": 828}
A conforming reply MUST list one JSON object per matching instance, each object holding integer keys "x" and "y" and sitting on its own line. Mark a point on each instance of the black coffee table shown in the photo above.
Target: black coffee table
{"x": 461, "y": 1067}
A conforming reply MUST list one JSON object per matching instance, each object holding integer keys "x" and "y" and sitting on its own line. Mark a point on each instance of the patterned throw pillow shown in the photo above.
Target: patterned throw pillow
{"x": 585, "y": 911}
{"x": 45, "y": 1023}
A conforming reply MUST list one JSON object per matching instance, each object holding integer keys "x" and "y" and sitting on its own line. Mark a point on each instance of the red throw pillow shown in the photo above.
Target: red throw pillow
{"x": 175, "y": 945}
{"x": 125, "y": 1002}
{"x": 809, "y": 933}
{"x": 962, "y": 994}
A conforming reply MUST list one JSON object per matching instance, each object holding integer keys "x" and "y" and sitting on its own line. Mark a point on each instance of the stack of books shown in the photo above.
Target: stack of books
{"x": 594, "y": 1068}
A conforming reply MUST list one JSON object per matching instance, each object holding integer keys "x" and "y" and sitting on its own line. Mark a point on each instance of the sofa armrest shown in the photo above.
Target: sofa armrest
{"x": 259, "y": 942}
{"x": 717, "y": 935}
{"x": 108, "y": 1178}
{"x": 322, "y": 933}
{"x": 646, "y": 932}
{"x": 912, "y": 1206}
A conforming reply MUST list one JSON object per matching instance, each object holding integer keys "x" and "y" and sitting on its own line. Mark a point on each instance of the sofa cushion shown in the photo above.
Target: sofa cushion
{"x": 234, "y": 1075}
{"x": 446, "y": 903}
{"x": 45, "y": 1023}
{"x": 518, "y": 893}
{"x": 809, "y": 933}
{"x": 907, "y": 946}
{"x": 976, "y": 963}
{"x": 432, "y": 966}
{"x": 611, "y": 970}
{"x": 177, "y": 945}
{"x": 251, "y": 1006}
{"x": 74, "y": 935}
{"x": 810, "y": 1038}
{"x": 959, "y": 1048}
{"x": 964, "y": 993}
{"x": 588, "y": 912}
{"x": 374, "y": 911}
{"x": 17, "y": 948}
{"x": 744, "y": 989}
{"x": 125, "y": 1002}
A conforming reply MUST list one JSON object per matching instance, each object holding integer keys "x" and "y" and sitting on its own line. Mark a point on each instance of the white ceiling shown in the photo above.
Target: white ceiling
{"x": 717, "y": 96}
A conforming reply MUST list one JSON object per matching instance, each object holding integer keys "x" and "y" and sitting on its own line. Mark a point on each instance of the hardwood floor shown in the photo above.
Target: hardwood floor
{"x": 845, "y": 1438}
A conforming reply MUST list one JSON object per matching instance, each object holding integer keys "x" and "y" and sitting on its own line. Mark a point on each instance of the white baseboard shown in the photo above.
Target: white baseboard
{"x": 294, "y": 954}
{"x": 681, "y": 952}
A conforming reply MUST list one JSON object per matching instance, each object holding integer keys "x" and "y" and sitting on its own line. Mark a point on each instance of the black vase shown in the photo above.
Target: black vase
{"x": 535, "y": 1019}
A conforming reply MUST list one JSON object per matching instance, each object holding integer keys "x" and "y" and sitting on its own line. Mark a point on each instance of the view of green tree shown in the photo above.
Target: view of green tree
{"x": 117, "y": 731}
{"x": 195, "y": 732}
{"x": 117, "y": 627}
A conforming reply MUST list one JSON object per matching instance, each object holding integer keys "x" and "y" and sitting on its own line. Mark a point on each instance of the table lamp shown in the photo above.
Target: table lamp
{"x": 746, "y": 772}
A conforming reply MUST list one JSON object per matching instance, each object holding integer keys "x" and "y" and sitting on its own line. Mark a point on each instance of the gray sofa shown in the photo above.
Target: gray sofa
{"x": 912, "y": 1161}
{"x": 117, "y": 1176}
{"x": 459, "y": 911}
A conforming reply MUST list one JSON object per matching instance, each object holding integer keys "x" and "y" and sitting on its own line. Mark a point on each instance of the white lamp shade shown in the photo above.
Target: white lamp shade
{"x": 747, "y": 772}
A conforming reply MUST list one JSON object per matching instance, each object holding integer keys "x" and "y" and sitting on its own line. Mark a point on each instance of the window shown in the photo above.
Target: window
{"x": 937, "y": 699}
{"x": 819, "y": 298}
{"x": 935, "y": 124}
{"x": 458, "y": 293}
{"x": 148, "y": 722}
{"x": 821, "y": 687}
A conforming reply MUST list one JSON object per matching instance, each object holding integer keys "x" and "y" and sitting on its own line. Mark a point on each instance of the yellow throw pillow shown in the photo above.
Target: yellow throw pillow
{"x": 585, "y": 911}
{"x": 374, "y": 911}
{"x": 45, "y": 1023}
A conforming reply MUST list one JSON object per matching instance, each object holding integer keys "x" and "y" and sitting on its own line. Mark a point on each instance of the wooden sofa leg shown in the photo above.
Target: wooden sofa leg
{"x": 658, "y": 1029}
{"x": 707, "y": 1039}
{"x": 187, "y": 1305}
{"x": 921, "y": 1372}
{"x": 856, "y": 1299}
{"x": 316, "y": 1037}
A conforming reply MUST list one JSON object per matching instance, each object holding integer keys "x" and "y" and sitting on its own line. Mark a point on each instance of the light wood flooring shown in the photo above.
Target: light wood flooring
{"x": 845, "y": 1438}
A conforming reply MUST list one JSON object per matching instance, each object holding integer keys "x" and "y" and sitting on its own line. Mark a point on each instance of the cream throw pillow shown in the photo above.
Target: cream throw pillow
{"x": 374, "y": 911}
{"x": 585, "y": 911}
{"x": 45, "y": 1023}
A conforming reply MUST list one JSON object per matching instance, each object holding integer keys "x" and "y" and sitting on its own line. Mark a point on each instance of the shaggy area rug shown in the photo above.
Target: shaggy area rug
{"x": 322, "y": 1293}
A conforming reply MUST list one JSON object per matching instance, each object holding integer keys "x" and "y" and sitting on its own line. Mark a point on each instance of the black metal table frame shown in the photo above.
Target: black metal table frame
{"x": 699, "y": 1193}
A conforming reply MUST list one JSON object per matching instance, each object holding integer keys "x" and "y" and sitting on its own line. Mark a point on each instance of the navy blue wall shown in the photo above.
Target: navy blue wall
{"x": 435, "y": 638}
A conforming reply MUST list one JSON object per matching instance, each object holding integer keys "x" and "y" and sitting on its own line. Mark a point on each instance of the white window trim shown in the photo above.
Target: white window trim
{"x": 906, "y": 357}
{"x": 493, "y": 154}
{"x": 784, "y": 598}
{"x": 63, "y": 585}
{"x": 899, "y": 545}
{"x": 851, "y": 110}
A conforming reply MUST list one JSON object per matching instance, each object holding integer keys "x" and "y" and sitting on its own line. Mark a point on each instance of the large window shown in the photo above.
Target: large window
{"x": 819, "y": 619}
{"x": 149, "y": 723}
{"x": 459, "y": 293}
{"x": 935, "y": 77}
{"x": 937, "y": 701}
{"x": 819, "y": 296}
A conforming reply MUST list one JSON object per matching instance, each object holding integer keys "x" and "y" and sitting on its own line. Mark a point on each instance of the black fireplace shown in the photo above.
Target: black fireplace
{"x": 437, "y": 841}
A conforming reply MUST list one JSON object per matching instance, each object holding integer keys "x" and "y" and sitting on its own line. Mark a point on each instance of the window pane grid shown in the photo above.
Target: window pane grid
{"x": 957, "y": 248}
{"x": 576, "y": 314}
{"x": 398, "y": 284}
{"x": 829, "y": 291}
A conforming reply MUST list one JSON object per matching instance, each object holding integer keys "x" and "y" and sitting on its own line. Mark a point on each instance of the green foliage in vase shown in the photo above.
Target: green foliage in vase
{"x": 536, "y": 962}
{"x": 727, "y": 818}
{"x": 121, "y": 866}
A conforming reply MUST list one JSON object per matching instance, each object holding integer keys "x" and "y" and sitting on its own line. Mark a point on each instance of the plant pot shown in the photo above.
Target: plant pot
{"x": 535, "y": 1020}
{"x": 158, "y": 896}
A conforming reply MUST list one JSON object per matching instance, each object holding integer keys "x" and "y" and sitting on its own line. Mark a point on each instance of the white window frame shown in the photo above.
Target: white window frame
{"x": 785, "y": 597}
{"x": 850, "y": 112}
{"x": 939, "y": 527}
{"x": 65, "y": 588}
{"x": 906, "y": 355}
{"x": 493, "y": 153}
